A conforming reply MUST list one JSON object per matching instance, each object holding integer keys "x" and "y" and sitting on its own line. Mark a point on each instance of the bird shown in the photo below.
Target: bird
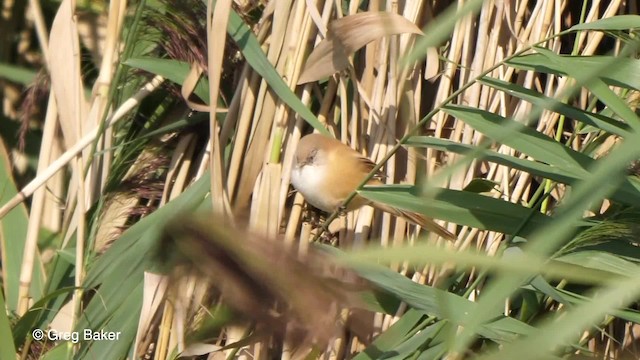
{"x": 326, "y": 171}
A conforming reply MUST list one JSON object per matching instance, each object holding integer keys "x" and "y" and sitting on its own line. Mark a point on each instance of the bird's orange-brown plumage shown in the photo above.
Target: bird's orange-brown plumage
{"x": 327, "y": 171}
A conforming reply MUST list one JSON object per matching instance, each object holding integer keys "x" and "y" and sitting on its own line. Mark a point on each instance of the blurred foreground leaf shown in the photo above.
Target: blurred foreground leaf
{"x": 253, "y": 274}
{"x": 461, "y": 207}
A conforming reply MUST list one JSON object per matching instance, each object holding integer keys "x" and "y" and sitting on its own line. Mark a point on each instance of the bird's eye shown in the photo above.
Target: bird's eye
{"x": 312, "y": 156}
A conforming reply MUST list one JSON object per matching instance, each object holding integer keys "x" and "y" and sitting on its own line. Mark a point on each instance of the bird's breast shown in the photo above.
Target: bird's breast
{"x": 311, "y": 182}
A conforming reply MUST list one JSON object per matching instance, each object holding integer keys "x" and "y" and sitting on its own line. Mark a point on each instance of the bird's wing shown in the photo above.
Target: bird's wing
{"x": 417, "y": 219}
{"x": 368, "y": 165}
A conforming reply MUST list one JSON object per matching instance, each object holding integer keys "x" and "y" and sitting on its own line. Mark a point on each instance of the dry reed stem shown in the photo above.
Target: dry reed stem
{"x": 170, "y": 335}
{"x": 217, "y": 20}
{"x": 162, "y": 345}
{"x": 177, "y": 178}
{"x": 243, "y": 120}
{"x": 155, "y": 287}
{"x": 100, "y": 95}
{"x": 52, "y": 214}
{"x": 67, "y": 86}
{"x": 38, "y": 203}
{"x": 81, "y": 234}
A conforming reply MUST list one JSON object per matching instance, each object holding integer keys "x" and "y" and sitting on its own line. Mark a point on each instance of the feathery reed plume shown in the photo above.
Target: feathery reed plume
{"x": 259, "y": 279}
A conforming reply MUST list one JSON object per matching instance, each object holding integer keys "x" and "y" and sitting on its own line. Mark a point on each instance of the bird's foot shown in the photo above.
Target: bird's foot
{"x": 342, "y": 210}
{"x": 313, "y": 218}
{"x": 327, "y": 237}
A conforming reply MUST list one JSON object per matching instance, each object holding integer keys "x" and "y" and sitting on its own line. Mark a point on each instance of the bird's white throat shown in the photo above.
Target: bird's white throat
{"x": 309, "y": 181}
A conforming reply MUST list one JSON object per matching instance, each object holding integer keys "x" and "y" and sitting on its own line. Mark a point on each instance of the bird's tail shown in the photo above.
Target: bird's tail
{"x": 417, "y": 219}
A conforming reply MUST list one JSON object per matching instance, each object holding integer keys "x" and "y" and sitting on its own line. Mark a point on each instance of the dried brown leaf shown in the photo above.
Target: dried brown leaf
{"x": 349, "y": 34}
{"x": 328, "y": 58}
{"x": 355, "y": 31}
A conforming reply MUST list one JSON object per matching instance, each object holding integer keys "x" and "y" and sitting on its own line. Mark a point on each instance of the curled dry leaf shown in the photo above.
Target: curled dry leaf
{"x": 261, "y": 280}
{"x": 346, "y": 36}
{"x": 355, "y": 31}
{"x": 189, "y": 85}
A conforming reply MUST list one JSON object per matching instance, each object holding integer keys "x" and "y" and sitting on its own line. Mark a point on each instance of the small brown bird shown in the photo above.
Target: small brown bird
{"x": 325, "y": 171}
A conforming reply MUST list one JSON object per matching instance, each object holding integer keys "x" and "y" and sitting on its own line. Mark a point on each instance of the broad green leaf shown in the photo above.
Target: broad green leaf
{"x": 17, "y": 74}
{"x": 619, "y": 22}
{"x": 522, "y": 138}
{"x": 435, "y": 351}
{"x": 554, "y": 333}
{"x": 604, "y": 177}
{"x": 175, "y": 126}
{"x": 123, "y": 323}
{"x": 461, "y": 207}
{"x": 623, "y": 72}
{"x": 627, "y": 193}
{"x": 60, "y": 274}
{"x": 504, "y": 329}
{"x": 527, "y": 266}
{"x": 479, "y": 185}
{"x": 540, "y": 284}
{"x": 625, "y": 314}
{"x": 381, "y": 302}
{"x": 436, "y": 302}
{"x": 530, "y": 166}
{"x": 600, "y": 260}
{"x": 13, "y": 233}
{"x": 60, "y": 352}
{"x": 173, "y": 70}
{"x": 392, "y": 337}
{"x": 7, "y": 347}
{"x": 540, "y": 100}
{"x": 431, "y": 338}
{"x": 597, "y": 86}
